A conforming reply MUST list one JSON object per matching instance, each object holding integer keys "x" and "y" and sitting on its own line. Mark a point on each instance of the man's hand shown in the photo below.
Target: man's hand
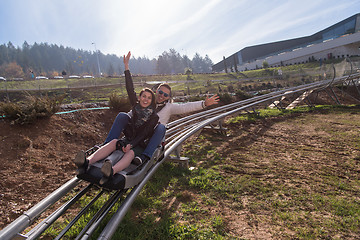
{"x": 212, "y": 100}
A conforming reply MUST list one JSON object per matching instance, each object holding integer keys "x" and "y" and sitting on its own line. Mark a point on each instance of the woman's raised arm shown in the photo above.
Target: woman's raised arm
{"x": 126, "y": 60}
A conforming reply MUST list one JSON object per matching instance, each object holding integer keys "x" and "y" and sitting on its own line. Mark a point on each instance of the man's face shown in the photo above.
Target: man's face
{"x": 162, "y": 94}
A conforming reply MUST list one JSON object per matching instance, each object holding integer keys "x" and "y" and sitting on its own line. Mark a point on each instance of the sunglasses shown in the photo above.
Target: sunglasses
{"x": 163, "y": 93}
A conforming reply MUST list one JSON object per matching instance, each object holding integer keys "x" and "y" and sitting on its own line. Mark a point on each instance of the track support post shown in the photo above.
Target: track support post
{"x": 219, "y": 128}
{"x": 183, "y": 161}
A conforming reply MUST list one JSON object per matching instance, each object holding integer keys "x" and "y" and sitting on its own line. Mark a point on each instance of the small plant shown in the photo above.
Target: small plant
{"x": 265, "y": 64}
{"x": 225, "y": 98}
{"x": 195, "y": 98}
{"x": 188, "y": 72}
{"x": 28, "y": 111}
{"x": 119, "y": 103}
{"x": 218, "y": 225}
{"x": 242, "y": 95}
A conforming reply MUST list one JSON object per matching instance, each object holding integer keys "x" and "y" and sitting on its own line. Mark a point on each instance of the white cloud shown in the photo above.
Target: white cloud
{"x": 156, "y": 27}
{"x": 284, "y": 21}
{"x": 213, "y": 27}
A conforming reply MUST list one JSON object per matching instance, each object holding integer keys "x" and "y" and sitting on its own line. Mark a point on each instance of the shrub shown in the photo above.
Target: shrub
{"x": 33, "y": 108}
{"x": 265, "y": 64}
{"x": 242, "y": 95}
{"x": 119, "y": 103}
{"x": 225, "y": 98}
{"x": 195, "y": 98}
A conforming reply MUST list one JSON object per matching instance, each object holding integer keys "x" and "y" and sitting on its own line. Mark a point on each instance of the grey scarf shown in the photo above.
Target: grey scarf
{"x": 142, "y": 114}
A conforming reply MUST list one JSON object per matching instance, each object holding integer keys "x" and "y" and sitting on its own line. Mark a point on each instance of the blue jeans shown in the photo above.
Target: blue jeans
{"x": 155, "y": 140}
{"x": 119, "y": 124}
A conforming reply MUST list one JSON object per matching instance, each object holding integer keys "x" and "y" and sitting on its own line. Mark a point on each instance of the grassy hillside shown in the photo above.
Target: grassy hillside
{"x": 100, "y": 89}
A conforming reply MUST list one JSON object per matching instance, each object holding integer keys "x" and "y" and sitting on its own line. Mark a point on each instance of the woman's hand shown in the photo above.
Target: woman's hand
{"x": 212, "y": 100}
{"x": 126, "y": 60}
{"x": 127, "y": 148}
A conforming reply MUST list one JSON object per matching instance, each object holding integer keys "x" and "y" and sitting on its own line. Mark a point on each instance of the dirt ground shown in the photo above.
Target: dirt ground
{"x": 288, "y": 152}
{"x": 37, "y": 159}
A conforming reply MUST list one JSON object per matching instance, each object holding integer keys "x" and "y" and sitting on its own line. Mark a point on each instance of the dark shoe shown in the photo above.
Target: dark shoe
{"x": 138, "y": 160}
{"x": 107, "y": 172}
{"x": 81, "y": 162}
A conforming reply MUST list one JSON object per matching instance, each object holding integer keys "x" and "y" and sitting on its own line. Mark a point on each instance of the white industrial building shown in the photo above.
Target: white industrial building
{"x": 340, "y": 40}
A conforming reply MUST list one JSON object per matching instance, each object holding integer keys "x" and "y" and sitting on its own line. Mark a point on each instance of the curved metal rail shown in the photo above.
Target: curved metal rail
{"x": 178, "y": 131}
{"x": 112, "y": 225}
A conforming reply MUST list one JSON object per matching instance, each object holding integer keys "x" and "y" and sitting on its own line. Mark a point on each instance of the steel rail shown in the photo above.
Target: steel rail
{"x": 77, "y": 217}
{"x": 172, "y": 145}
{"x": 40, "y": 228}
{"x": 177, "y": 125}
{"x": 100, "y": 215}
{"x": 188, "y": 119}
{"x": 112, "y": 225}
{"x": 27, "y": 218}
{"x": 183, "y": 122}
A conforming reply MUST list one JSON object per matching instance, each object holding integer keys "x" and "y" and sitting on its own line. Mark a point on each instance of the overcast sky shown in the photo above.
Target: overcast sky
{"x": 149, "y": 27}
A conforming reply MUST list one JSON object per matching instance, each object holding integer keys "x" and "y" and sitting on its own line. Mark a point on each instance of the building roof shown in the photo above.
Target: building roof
{"x": 261, "y": 51}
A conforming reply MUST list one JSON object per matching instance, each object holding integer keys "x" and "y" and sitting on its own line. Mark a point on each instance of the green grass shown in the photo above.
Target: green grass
{"x": 274, "y": 112}
{"x": 314, "y": 207}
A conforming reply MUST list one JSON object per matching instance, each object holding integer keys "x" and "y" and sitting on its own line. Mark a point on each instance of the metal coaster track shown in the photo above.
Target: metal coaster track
{"x": 178, "y": 131}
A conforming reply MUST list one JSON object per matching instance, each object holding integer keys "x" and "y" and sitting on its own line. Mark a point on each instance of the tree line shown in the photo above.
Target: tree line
{"x": 52, "y": 60}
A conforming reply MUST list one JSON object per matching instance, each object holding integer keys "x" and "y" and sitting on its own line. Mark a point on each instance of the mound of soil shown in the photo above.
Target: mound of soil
{"x": 37, "y": 159}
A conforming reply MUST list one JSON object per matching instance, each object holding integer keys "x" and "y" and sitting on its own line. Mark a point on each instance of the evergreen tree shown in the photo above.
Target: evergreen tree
{"x": 50, "y": 58}
{"x": 111, "y": 70}
{"x": 197, "y": 63}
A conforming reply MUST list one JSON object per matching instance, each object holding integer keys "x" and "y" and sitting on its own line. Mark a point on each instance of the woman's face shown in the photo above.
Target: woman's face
{"x": 145, "y": 99}
{"x": 162, "y": 94}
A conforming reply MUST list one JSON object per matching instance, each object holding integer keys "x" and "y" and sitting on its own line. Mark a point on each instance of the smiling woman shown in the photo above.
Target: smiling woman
{"x": 138, "y": 126}
{"x": 146, "y": 97}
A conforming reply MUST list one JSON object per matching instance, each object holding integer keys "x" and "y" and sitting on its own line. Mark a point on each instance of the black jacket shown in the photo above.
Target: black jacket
{"x": 137, "y": 136}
